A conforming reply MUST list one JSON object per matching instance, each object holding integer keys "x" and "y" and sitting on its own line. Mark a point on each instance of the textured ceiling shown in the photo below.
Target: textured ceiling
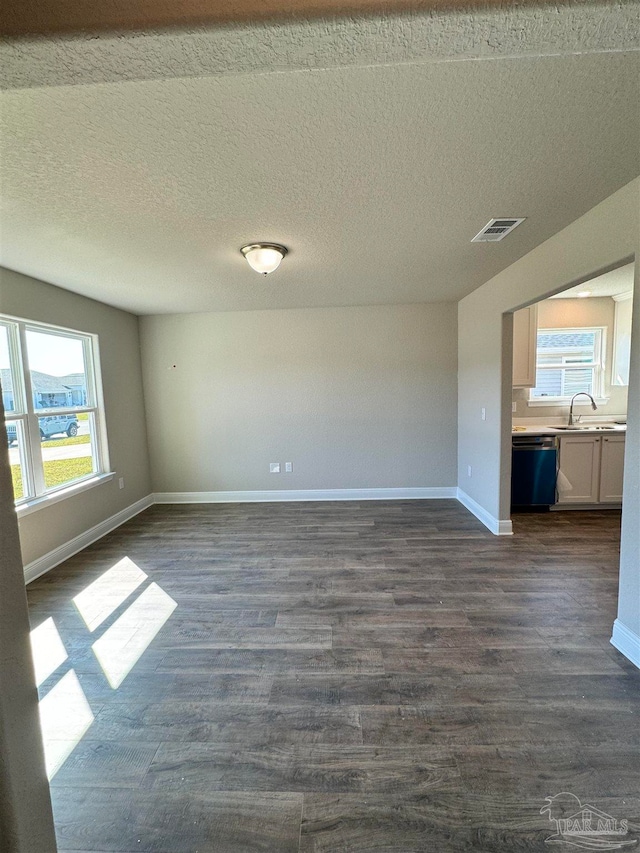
{"x": 376, "y": 177}
{"x": 43, "y": 17}
{"x": 612, "y": 283}
{"x": 508, "y": 32}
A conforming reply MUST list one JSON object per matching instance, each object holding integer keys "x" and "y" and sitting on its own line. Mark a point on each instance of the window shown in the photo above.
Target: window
{"x": 53, "y": 413}
{"x": 569, "y": 361}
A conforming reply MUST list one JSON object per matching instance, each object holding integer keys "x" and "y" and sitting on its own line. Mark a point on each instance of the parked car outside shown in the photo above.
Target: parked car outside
{"x": 58, "y": 425}
{"x": 49, "y": 426}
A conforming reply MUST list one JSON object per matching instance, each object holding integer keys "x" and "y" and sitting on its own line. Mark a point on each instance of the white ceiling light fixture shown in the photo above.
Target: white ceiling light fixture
{"x": 264, "y": 257}
{"x": 583, "y": 294}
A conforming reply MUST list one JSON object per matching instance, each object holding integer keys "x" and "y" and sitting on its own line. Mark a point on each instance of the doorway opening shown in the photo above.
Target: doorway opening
{"x": 570, "y": 378}
{"x": 589, "y": 443}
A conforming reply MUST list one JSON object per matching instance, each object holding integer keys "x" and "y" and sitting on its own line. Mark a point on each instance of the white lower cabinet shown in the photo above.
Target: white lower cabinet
{"x": 579, "y": 478}
{"x": 611, "y": 468}
{"x": 590, "y": 469}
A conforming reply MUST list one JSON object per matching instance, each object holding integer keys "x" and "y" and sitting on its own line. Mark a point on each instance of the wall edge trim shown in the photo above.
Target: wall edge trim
{"x": 50, "y": 560}
{"x": 626, "y": 641}
{"x": 280, "y": 495}
{"x": 497, "y": 526}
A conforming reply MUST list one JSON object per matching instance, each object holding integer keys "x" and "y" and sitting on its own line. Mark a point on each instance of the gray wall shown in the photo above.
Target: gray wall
{"x": 359, "y": 397}
{"x": 46, "y": 529}
{"x": 569, "y": 313}
{"x": 603, "y": 237}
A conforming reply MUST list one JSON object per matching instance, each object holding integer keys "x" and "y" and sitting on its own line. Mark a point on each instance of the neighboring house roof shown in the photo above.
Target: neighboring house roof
{"x": 75, "y": 379}
{"x": 43, "y": 383}
{"x": 566, "y": 340}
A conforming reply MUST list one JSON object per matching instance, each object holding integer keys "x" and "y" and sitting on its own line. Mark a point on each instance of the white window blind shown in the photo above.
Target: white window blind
{"x": 569, "y": 361}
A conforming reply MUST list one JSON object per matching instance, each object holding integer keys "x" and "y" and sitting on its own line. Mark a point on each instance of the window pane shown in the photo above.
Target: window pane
{"x": 67, "y": 448}
{"x": 56, "y": 363}
{"x": 6, "y": 378}
{"x": 548, "y": 384}
{"x": 567, "y": 362}
{"x": 16, "y": 459}
{"x": 563, "y": 382}
{"x": 578, "y": 380}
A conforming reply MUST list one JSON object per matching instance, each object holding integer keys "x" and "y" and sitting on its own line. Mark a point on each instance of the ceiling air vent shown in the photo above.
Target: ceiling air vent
{"x": 496, "y": 229}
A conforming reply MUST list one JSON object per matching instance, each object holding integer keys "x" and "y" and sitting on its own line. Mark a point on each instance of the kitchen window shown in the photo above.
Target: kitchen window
{"x": 54, "y": 416}
{"x": 568, "y": 361}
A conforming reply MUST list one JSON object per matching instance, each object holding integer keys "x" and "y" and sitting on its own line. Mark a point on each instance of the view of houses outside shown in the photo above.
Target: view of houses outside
{"x": 58, "y": 382}
{"x": 48, "y": 391}
{"x": 568, "y": 361}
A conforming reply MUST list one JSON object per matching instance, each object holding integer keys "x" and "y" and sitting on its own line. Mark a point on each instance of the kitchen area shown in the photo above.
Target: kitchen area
{"x": 569, "y": 404}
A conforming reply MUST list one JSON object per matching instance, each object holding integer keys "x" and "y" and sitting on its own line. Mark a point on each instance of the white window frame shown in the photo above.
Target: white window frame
{"x": 25, "y": 415}
{"x": 598, "y": 365}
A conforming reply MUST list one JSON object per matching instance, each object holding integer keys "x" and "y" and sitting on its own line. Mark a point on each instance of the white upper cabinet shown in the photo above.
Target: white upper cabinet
{"x": 525, "y": 332}
{"x": 622, "y": 339}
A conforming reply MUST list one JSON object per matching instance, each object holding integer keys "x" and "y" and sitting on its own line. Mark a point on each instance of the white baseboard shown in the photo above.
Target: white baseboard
{"x": 626, "y": 642}
{"x": 68, "y": 549}
{"x": 500, "y": 527}
{"x": 305, "y": 495}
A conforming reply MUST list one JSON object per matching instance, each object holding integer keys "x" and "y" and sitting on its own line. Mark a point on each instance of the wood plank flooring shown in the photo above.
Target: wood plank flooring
{"x": 343, "y": 677}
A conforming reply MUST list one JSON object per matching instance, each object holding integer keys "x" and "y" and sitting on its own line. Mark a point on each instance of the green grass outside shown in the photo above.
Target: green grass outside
{"x": 57, "y": 472}
{"x": 16, "y": 473}
{"x": 64, "y": 442}
{"x": 60, "y": 471}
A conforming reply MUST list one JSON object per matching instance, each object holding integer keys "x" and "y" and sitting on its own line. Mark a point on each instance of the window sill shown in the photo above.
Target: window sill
{"x": 43, "y": 501}
{"x": 565, "y": 401}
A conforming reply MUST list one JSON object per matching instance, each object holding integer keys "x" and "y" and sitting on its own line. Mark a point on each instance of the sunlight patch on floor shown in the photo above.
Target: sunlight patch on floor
{"x": 47, "y": 649}
{"x": 65, "y": 716}
{"x": 99, "y": 600}
{"x": 122, "y": 645}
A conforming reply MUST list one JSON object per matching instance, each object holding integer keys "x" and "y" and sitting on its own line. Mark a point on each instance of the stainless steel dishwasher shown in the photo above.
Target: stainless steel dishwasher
{"x": 534, "y": 471}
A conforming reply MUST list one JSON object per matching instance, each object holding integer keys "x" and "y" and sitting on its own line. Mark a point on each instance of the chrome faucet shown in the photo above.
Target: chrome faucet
{"x": 593, "y": 405}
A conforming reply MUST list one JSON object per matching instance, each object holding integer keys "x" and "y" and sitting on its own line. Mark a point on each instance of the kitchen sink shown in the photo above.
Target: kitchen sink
{"x": 582, "y": 426}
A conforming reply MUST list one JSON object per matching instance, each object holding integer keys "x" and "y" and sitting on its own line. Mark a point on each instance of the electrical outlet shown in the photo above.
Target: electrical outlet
{"x": 121, "y": 483}
{"x": 483, "y": 413}
{"x": 288, "y": 467}
{"x": 468, "y": 470}
{"x": 274, "y": 467}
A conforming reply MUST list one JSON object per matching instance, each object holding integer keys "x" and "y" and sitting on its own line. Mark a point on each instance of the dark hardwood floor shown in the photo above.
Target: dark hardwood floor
{"x": 306, "y": 678}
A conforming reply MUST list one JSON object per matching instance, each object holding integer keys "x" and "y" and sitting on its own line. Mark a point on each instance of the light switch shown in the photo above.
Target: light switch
{"x": 274, "y": 467}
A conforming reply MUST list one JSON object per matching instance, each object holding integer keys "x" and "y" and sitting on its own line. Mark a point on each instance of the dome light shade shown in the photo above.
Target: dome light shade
{"x": 264, "y": 257}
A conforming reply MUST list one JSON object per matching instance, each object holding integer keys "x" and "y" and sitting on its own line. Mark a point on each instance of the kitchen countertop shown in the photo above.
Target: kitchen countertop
{"x": 593, "y": 429}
